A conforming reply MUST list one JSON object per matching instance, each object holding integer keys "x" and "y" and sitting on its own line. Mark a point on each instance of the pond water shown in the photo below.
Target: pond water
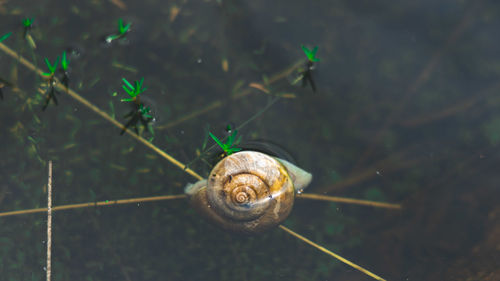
{"x": 406, "y": 110}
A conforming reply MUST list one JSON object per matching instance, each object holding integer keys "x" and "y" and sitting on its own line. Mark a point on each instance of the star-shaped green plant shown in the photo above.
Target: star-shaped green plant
{"x": 140, "y": 113}
{"x": 311, "y": 54}
{"x": 304, "y": 73}
{"x": 27, "y": 22}
{"x": 133, "y": 90}
{"x": 122, "y": 31}
{"x": 228, "y": 146}
{"x": 5, "y": 36}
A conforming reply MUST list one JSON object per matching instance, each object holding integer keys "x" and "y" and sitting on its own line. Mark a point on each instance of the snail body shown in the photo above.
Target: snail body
{"x": 248, "y": 192}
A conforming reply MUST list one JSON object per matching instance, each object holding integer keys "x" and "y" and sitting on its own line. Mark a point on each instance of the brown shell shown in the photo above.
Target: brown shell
{"x": 246, "y": 192}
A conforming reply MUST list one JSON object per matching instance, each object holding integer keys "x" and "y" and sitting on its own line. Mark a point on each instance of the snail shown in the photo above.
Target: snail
{"x": 248, "y": 192}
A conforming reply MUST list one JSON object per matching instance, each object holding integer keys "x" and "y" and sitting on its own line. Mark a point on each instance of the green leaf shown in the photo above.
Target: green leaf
{"x": 64, "y": 61}
{"x": 123, "y": 29}
{"x": 5, "y": 36}
{"x": 52, "y": 68}
{"x": 129, "y": 92}
{"x": 27, "y": 22}
{"x": 311, "y": 55}
{"x": 216, "y": 140}
{"x": 127, "y": 83}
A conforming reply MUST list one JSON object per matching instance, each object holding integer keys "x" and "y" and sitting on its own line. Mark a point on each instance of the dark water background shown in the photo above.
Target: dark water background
{"x": 407, "y": 110}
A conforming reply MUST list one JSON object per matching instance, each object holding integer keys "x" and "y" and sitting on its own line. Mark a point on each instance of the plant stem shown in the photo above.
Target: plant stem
{"x": 94, "y": 204}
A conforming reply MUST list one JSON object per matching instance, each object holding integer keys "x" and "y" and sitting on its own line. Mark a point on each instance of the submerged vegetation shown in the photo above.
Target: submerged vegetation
{"x": 140, "y": 112}
{"x": 228, "y": 146}
{"x": 122, "y": 32}
{"x": 51, "y": 82}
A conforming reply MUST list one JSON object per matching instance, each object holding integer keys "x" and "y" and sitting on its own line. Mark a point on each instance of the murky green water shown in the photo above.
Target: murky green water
{"x": 407, "y": 110}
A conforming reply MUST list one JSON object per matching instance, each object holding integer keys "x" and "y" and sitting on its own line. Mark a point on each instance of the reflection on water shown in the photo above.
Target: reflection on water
{"x": 406, "y": 109}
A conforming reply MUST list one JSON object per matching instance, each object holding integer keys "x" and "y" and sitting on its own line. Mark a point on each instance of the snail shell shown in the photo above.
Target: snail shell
{"x": 248, "y": 192}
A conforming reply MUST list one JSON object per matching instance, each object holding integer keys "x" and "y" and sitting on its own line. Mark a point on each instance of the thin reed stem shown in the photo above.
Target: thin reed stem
{"x": 330, "y": 253}
{"x": 348, "y": 200}
{"x": 95, "y": 204}
{"x": 49, "y": 223}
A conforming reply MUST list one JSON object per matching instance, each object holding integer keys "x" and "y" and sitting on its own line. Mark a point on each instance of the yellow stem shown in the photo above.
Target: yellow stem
{"x": 330, "y": 253}
{"x": 348, "y": 200}
{"x": 95, "y": 204}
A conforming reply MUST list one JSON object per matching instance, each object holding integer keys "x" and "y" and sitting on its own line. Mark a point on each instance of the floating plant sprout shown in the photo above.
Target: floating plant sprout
{"x": 27, "y": 25}
{"x": 311, "y": 54}
{"x": 64, "y": 70}
{"x": 122, "y": 31}
{"x": 140, "y": 112}
{"x": 51, "y": 81}
{"x": 228, "y": 145}
{"x": 305, "y": 73}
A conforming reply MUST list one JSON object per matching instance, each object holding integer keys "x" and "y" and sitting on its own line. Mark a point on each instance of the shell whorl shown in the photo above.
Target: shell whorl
{"x": 244, "y": 185}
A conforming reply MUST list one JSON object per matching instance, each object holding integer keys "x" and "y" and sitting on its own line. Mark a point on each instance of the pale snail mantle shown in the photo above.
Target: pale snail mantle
{"x": 248, "y": 192}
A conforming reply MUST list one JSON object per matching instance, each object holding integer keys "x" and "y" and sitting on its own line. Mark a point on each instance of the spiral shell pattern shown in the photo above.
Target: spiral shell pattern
{"x": 251, "y": 189}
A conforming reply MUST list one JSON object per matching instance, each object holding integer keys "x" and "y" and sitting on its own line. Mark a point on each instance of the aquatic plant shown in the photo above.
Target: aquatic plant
{"x": 310, "y": 54}
{"x": 27, "y": 26}
{"x": 140, "y": 112}
{"x": 50, "y": 77}
{"x": 52, "y": 67}
{"x": 305, "y": 72}
{"x": 228, "y": 145}
{"x": 122, "y": 31}
{"x": 133, "y": 90}
{"x": 64, "y": 69}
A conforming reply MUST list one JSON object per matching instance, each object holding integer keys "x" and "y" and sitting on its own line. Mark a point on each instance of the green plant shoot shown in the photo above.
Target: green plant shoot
{"x": 145, "y": 112}
{"x": 27, "y": 22}
{"x": 64, "y": 61}
{"x": 228, "y": 146}
{"x": 52, "y": 68}
{"x": 311, "y": 54}
{"x": 27, "y": 25}
{"x": 133, "y": 90}
{"x": 122, "y": 30}
{"x": 5, "y": 36}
